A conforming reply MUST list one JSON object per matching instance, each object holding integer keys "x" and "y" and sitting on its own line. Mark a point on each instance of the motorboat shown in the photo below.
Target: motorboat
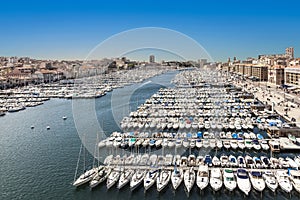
{"x": 257, "y": 180}
{"x": 257, "y": 162}
{"x": 256, "y": 145}
{"x": 241, "y": 144}
{"x": 241, "y": 161}
{"x": 144, "y": 159}
{"x": 295, "y": 179}
{"x": 226, "y": 144}
{"x": 183, "y": 161}
{"x": 249, "y": 162}
{"x": 176, "y": 160}
{"x": 243, "y": 181}
{"x": 233, "y": 161}
{"x": 202, "y": 177}
{"x": 292, "y": 163}
{"x": 198, "y": 143}
{"x": 265, "y": 161}
{"x": 208, "y": 160}
{"x": 216, "y": 161}
{"x": 275, "y": 163}
{"x": 234, "y": 144}
{"x": 224, "y": 160}
{"x": 191, "y": 160}
{"x": 270, "y": 180}
{"x": 152, "y": 160}
{"x": 248, "y": 144}
{"x": 219, "y": 144}
{"x": 284, "y": 181}
{"x": 283, "y": 162}
{"x": 216, "y": 179}
{"x": 229, "y": 179}
{"x": 264, "y": 145}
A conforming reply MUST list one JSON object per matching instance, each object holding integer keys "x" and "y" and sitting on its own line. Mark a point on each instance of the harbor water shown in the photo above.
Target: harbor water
{"x": 40, "y": 164}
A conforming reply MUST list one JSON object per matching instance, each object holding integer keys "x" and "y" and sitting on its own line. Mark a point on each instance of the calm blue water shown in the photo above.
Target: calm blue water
{"x": 40, "y": 164}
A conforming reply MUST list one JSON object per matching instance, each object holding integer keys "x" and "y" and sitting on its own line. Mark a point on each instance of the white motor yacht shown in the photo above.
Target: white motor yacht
{"x": 202, "y": 177}
{"x": 257, "y": 180}
{"x": 270, "y": 180}
{"x": 283, "y": 180}
{"x": 295, "y": 179}
{"x": 216, "y": 179}
{"x": 243, "y": 181}
{"x": 229, "y": 179}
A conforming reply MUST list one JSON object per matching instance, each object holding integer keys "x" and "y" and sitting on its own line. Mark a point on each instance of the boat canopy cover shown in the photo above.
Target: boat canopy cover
{"x": 199, "y": 134}
{"x": 259, "y": 136}
{"x": 258, "y": 174}
{"x": 241, "y": 160}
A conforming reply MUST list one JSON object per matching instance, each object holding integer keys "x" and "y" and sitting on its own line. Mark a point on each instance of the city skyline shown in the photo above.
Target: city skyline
{"x": 71, "y": 30}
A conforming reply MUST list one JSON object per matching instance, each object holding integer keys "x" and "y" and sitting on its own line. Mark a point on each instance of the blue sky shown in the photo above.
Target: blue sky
{"x": 70, "y": 29}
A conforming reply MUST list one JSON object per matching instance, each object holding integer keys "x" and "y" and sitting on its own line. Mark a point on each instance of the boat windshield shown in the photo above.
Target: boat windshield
{"x": 242, "y": 176}
{"x": 296, "y": 177}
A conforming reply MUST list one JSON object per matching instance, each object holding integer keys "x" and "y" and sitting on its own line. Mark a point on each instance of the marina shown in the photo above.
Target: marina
{"x": 199, "y": 116}
{"x": 217, "y": 147}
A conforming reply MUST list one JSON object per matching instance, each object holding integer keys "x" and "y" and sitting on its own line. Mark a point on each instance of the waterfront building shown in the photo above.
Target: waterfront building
{"x": 292, "y": 76}
{"x": 260, "y": 72}
{"x": 248, "y": 70}
{"x": 276, "y": 74}
{"x": 240, "y": 68}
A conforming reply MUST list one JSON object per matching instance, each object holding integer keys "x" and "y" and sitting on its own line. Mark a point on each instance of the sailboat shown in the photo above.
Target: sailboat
{"x": 137, "y": 179}
{"x": 113, "y": 178}
{"x": 100, "y": 177}
{"x": 189, "y": 179}
{"x": 163, "y": 179}
{"x": 125, "y": 178}
{"x": 87, "y": 175}
{"x": 176, "y": 177}
{"x": 150, "y": 178}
